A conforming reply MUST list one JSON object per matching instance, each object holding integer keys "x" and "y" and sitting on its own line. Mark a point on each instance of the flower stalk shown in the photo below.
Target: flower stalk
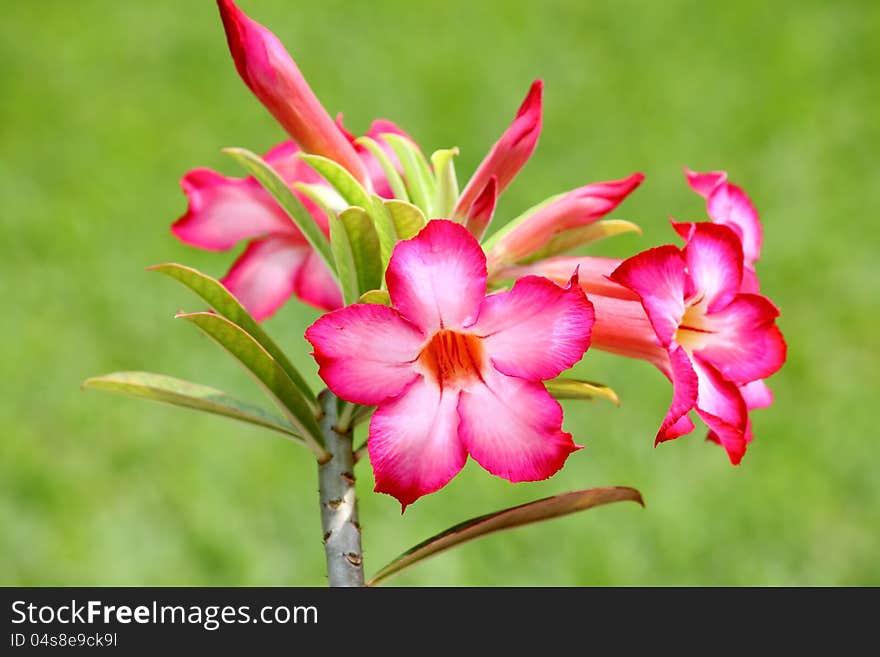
{"x": 336, "y": 487}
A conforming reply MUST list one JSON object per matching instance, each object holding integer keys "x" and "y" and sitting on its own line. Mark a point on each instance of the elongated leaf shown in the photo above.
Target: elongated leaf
{"x": 324, "y": 196}
{"x": 339, "y": 178}
{"x": 573, "y": 238}
{"x": 407, "y": 218}
{"x": 356, "y": 250}
{"x": 419, "y": 180}
{"x": 378, "y": 297}
{"x": 513, "y": 223}
{"x": 275, "y": 185}
{"x": 222, "y": 301}
{"x": 562, "y": 388}
{"x": 385, "y": 230}
{"x": 265, "y": 369}
{"x": 446, "y": 192}
{"x": 525, "y": 514}
{"x": 398, "y": 187}
{"x": 167, "y": 389}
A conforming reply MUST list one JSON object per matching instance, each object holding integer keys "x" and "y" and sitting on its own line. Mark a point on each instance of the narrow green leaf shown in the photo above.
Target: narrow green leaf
{"x": 574, "y": 238}
{"x": 408, "y": 219}
{"x": 562, "y": 388}
{"x": 513, "y": 223}
{"x": 356, "y": 250}
{"x": 339, "y": 178}
{"x": 222, "y": 301}
{"x": 385, "y": 230}
{"x": 167, "y": 389}
{"x": 324, "y": 196}
{"x": 525, "y": 514}
{"x": 275, "y": 185}
{"x": 446, "y": 193}
{"x": 378, "y": 297}
{"x": 398, "y": 187}
{"x": 265, "y": 369}
{"x": 419, "y": 180}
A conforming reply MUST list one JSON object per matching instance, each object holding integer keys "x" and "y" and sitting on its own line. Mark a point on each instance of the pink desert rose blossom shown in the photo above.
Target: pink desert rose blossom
{"x": 719, "y": 339}
{"x": 278, "y": 261}
{"x": 455, "y": 372}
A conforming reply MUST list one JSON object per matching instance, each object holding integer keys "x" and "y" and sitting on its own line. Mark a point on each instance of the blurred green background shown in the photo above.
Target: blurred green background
{"x": 106, "y": 104}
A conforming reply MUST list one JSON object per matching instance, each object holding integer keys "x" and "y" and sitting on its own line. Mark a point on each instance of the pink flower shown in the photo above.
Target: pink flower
{"x": 273, "y": 77}
{"x": 508, "y": 155}
{"x": 719, "y": 339}
{"x": 278, "y": 262}
{"x": 579, "y": 207}
{"x": 729, "y": 206}
{"x": 455, "y": 372}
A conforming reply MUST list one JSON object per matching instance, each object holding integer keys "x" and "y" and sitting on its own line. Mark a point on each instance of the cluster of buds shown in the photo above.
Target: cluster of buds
{"x": 457, "y": 338}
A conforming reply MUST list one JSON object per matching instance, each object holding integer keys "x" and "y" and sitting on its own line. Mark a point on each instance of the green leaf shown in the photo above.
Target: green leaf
{"x": 356, "y": 251}
{"x": 545, "y": 509}
{"x": 222, "y": 301}
{"x": 339, "y": 178}
{"x": 378, "y": 297}
{"x": 562, "y": 388}
{"x": 323, "y": 196}
{"x": 521, "y": 219}
{"x": 398, "y": 187}
{"x": 419, "y": 180}
{"x": 265, "y": 369}
{"x": 574, "y": 238}
{"x": 167, "y": 389}
{"x": 275, "y": 185}
{"x": 446, "y": 193}
{"x": 385, "y": 229}
{"x": 408, "y": 219}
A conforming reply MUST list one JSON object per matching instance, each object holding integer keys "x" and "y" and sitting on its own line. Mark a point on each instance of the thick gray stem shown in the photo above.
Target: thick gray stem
{"x": 342, "y": 533}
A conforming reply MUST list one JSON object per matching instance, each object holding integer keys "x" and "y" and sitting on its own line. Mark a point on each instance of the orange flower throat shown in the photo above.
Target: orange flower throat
{"x": 453, "y": 358}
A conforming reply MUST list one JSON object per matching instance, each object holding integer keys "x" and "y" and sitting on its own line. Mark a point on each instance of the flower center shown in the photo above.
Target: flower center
{"x": 453, "y": 358}
{"x": 694, "y": 333}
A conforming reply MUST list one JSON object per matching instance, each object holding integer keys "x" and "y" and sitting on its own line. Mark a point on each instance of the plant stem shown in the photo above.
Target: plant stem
{"x": 339, "y": 519}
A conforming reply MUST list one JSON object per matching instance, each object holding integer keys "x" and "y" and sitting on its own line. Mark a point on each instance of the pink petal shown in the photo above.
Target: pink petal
{"x": 684, "y": 397}
{"x": 222, "y": 211}
{"x": 658, "y": 277}
{"x": 715, "y": 264}
{"x": 438, "y": 278}
{"x": 264, "y": 276}
{"x": 745, "y": 344}
{"x": 480, "y": 214}
{"x": 366, "y": 352}
{"x": 513, "y": 428}
{"x": 273, "y": 77}
{"x": 536, "y": 330}
{"x": 593, "y": 273}
{"x": 510, "y": 153}
{"x": 722, "y": 408}
{"x": 704, "y": 183}
{"x": 728, "y": 205}
{"x": 622, "y": 328}
{"x": 316, "y": 286}
{"x": 414, "y": 443}
{"x": 580, "y": 207}
{"x": 756, "y": 394}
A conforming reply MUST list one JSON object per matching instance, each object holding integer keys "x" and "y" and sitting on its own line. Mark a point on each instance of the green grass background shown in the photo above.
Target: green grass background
{"x": 106, "y": 104}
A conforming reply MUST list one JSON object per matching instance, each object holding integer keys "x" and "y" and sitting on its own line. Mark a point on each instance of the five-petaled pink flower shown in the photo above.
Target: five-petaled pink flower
{"x": 719, "y": 339}
{"x": 455, "y": 372}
